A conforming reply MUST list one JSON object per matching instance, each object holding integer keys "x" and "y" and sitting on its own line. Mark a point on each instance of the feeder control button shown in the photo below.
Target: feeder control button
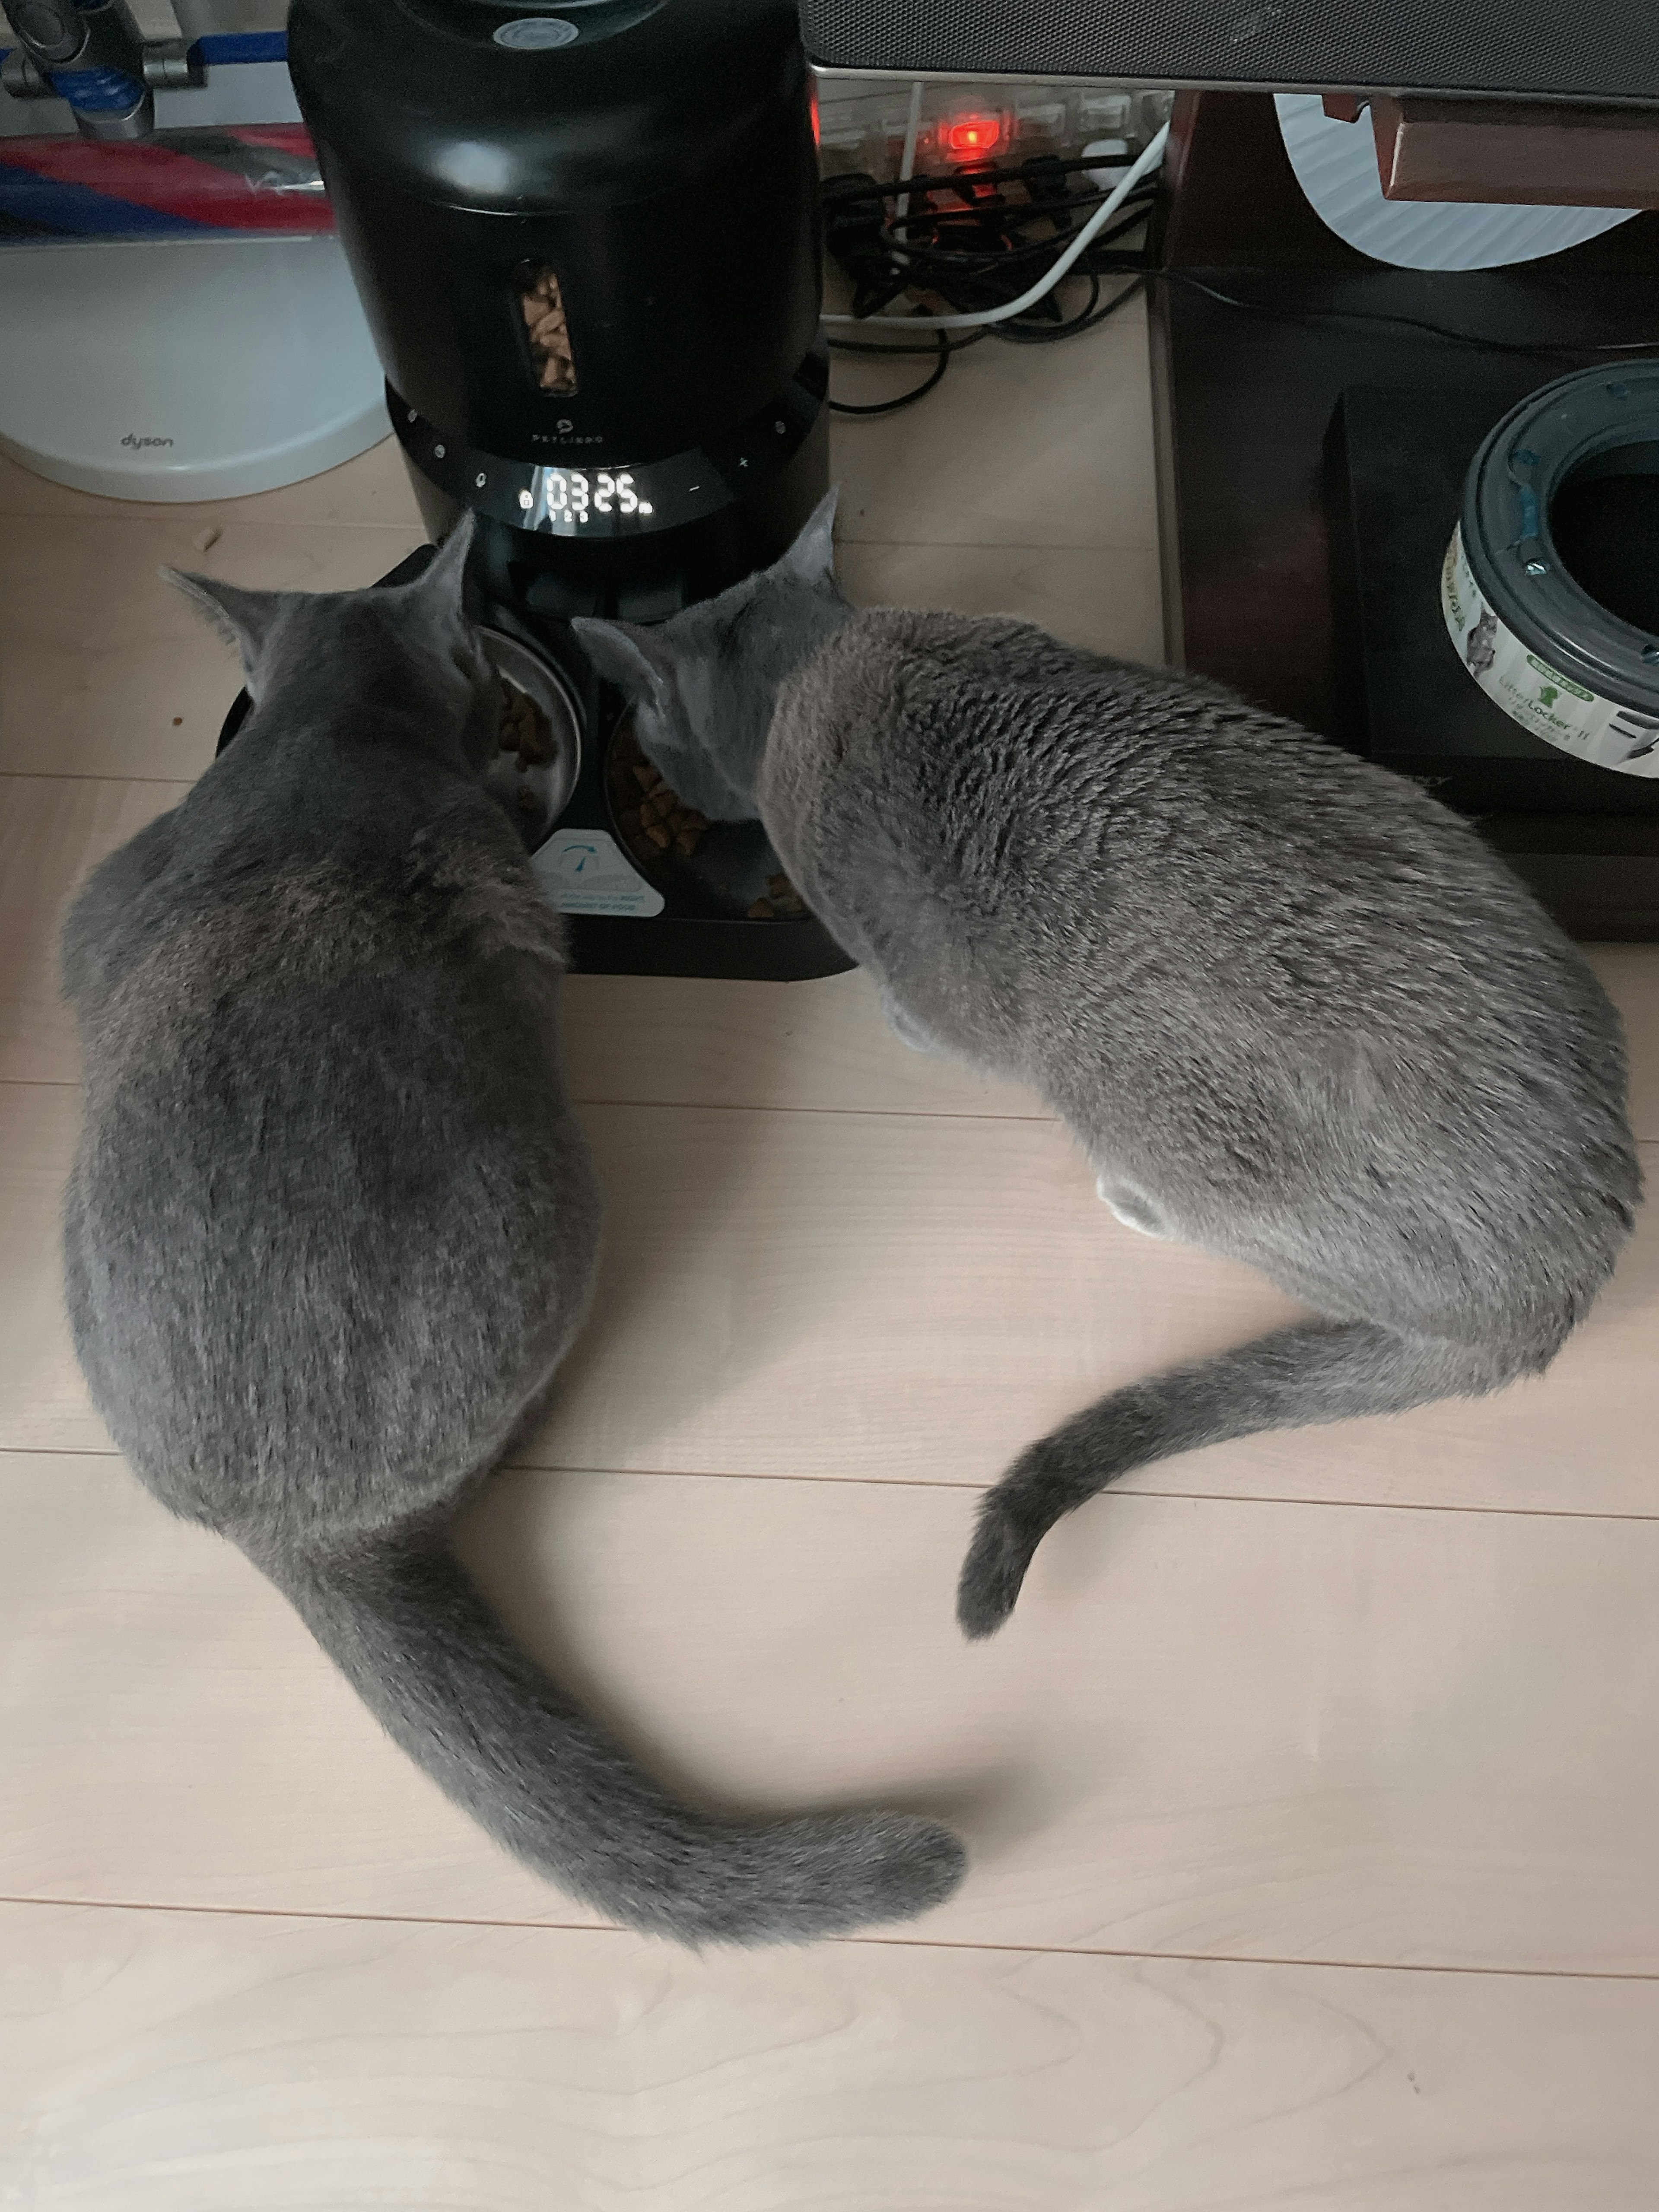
{"x": 536, "y": 33}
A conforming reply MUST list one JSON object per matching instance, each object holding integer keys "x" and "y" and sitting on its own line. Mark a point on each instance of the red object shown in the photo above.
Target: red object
{"x": 148, "y": 175}
{"x": 975, "y": 135}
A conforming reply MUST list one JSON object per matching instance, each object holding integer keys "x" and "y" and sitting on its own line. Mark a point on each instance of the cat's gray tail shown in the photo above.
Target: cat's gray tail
{"x": 411, "y": 1634}
{"x": 1317, "y": 1372}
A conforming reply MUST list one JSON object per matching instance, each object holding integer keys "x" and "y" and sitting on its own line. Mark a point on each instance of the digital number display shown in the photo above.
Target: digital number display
{"x": 538, "y": 489}
{"x": 575, "y": 491}
{"x": 568, "y": 499}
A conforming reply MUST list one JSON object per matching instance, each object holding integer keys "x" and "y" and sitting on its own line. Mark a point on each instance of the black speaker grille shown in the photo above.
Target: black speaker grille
{"x": 1608, "y": 51}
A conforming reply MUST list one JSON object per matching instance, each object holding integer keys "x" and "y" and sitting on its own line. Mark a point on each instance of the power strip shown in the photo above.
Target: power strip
{"x": 862, "y": 127}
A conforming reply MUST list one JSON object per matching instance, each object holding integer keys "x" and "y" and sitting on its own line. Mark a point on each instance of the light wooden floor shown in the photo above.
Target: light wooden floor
{"x": 1313, "y": 1793}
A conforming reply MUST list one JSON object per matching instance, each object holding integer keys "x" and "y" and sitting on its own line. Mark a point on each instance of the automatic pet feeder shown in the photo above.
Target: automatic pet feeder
{"x": 586, "y": 239}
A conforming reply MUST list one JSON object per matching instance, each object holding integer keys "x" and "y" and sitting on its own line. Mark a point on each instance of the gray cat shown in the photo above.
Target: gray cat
{"x": 1291, "y": 1008}
{"x": 333, "y": 1227}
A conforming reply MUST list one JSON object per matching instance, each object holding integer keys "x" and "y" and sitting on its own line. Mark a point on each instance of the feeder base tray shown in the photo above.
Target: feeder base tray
{"x": 671, "y": 921}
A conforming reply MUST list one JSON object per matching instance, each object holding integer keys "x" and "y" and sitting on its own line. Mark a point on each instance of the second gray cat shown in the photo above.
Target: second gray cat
{"x": 1291, "y": 1008}
{"x": 332, "y": 1225}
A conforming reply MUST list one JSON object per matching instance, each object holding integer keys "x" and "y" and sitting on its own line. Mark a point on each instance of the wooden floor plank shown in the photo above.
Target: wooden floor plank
{"x": 54, "y": 829}
{"x": 1254, "y": 1731}
{"x": 980, "y": 466}
{"x": 105, "y": 672}
{"x": 1107, "y": 600}
{"x": 206, "y": 2064}
{"x": 914, "y": 1297}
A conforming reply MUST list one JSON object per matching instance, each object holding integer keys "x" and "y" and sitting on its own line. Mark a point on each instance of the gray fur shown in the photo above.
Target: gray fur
{"x": 332, "y": 1225}
{"x": 1291, "y": 1008}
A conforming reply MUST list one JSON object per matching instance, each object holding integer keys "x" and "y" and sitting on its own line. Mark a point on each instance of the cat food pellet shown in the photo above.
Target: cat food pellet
{"x": 543, "y": 307}
{"x": 206, "y": 538}
{"x": 762, "y": 910}
{"x": 527, "y": 799}
{"x": 785, "y": 900}
{"x": 661, "y": 818}
{"x": 524, "y": 730}
{"x": 682, "y": 825}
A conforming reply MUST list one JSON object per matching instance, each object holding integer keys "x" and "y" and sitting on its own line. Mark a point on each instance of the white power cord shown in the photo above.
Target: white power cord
{"x": 1045, "y": 283}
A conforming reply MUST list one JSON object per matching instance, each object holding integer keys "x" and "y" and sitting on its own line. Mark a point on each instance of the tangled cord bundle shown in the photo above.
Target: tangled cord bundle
{"x": 980, "y": 238}
{"x": 975, "y": 238}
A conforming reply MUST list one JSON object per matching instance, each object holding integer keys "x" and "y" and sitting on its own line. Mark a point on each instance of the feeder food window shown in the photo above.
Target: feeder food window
{"x": 542, "y": 305}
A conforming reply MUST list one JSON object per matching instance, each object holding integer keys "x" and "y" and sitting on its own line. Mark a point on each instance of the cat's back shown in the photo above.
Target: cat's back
{"x": 990, "y": 750}
{"x": 1166, "y": 909}
{"x": 326, "y": 1131}
{"x": 309, "y": 948}
{"x": 1007, "y": 752}
{"x": 289, "y": 868}
{"x": 1092, "y": 815}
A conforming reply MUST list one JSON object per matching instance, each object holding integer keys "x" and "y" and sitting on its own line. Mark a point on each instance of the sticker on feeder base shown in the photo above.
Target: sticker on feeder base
{"x": 1530, "y": 692}
{"x": 585, "y": 872}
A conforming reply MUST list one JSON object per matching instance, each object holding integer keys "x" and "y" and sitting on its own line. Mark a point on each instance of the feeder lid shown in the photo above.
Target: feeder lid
{"x": 531, "y": 106}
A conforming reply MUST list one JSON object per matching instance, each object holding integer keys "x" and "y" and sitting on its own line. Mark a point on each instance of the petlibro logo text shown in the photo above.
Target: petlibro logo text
{"x": 133, "y": 440}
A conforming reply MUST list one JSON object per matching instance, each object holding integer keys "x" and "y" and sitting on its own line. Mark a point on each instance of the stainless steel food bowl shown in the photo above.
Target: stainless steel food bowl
{"x": 553, "y": 781}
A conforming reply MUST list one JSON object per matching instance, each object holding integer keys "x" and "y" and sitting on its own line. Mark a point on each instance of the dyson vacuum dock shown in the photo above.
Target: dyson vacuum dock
{"x": 585, "y": 237}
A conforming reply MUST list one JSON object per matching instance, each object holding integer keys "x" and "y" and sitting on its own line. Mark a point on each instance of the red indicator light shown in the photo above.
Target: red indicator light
{"x": 973, "y": 134}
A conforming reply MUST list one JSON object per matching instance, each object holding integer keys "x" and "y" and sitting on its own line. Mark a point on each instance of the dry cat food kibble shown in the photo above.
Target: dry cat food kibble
{"x": 525, "y": 729}
{"x": 527, "y": 745}
{"x": 543, "y": 307}
{"x": 662, "y": 817}
{"x": 656, "y": 826}
{"x": 782, "y": 902}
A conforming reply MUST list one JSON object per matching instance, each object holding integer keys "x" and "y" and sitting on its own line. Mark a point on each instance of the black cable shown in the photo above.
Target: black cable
{"x": 905, "y": 399}
{"x": 1016, "y": 332}
{"x": 1472, "y": 338}
{"x": 1036, "y": 210}
{"x": 857, "y": 185}
{"x": 962, "y": 239}
{"x": 863, "y": 345}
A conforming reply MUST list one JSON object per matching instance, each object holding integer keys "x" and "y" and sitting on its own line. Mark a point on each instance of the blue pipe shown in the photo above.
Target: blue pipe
{"x": 97, "y": 91}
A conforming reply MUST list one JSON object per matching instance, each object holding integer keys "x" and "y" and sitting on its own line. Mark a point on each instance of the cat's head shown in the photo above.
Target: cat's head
{"x": 702, "y": 684}
{"x": 410, "y": 648}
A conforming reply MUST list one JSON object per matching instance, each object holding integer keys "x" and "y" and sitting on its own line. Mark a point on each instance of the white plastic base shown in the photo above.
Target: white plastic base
{"x": 185, "y": 369}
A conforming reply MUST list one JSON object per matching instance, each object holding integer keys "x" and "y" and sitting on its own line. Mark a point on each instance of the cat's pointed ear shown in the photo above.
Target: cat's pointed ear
{"x": 812, "y": 558}
{"x": 438, "y": 584}
{"x": 244, "y": 618}
{"x": 629, "y": 655}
